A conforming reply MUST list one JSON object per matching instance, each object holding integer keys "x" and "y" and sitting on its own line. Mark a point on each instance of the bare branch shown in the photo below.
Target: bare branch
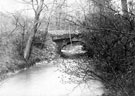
{"x": 33, "y": 6}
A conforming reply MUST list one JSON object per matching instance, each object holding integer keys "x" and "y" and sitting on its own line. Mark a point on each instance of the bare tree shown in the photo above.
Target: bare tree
{"x": 21, "y": 22}
{"x": 37, "y": 6}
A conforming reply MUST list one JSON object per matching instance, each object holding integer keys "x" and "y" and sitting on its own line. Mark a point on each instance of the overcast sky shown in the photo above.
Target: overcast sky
{"x": 10, "y": 5}
{"x": 15, "y": 5}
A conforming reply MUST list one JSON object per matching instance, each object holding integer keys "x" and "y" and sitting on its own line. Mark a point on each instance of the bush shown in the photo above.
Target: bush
{"x": 111, "y": 41}
{"x": 10, "y": 60}
{"x": 43, "y": 48}
{"x": 12, "y": 48}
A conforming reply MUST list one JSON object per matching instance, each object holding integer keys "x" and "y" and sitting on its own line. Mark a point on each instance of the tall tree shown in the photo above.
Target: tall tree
{"x": 37, "y": 6}
{"x": 124, "y": 7}
{"x": 99, "y": 4}
{"x": 60, "y": 6}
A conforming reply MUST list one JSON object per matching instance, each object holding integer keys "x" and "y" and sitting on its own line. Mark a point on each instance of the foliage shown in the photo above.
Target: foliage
{"x": 10, "y": 60}
{"x": 12, "y": 48}
{"x": 111, "y": 41}
{"x": 43, "y": 48}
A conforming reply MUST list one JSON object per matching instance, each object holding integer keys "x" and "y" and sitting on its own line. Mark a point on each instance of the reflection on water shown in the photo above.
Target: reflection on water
{"x": 73, "y": 49}
{"x": 45, "y": 80}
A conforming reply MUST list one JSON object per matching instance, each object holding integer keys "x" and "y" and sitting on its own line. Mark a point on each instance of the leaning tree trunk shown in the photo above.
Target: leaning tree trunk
{"x": 37, "y": 9}
{"x": 28, "y": 47}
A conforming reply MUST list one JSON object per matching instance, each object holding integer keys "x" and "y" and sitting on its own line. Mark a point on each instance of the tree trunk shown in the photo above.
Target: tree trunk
{"x": 28, "y": 47}
{"x": 37, "y": 9}
{"x": 124, "y": 8}
{"x": 101, "y": 6}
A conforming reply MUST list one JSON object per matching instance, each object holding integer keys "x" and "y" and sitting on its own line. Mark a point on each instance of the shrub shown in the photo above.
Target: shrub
{"x": 43, "y": 48}
{"x": 12, "y": 48}
{"x": 111, "y": 41}
{"x": 10, "y": 60}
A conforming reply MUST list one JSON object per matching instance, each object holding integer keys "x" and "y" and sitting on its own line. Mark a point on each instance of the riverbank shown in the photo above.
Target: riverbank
{"x": 11, "y": 54}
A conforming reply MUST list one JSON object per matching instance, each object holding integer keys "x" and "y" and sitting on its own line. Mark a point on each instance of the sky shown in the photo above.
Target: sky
{"x": 12, "y": 6}
{"x": 15, "y": 5}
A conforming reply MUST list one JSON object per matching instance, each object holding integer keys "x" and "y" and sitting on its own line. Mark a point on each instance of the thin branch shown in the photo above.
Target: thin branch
{"x": 33, "y": 6}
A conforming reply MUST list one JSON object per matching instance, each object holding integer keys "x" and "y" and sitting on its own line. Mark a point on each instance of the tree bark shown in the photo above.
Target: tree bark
{"x": 28, "y": 47}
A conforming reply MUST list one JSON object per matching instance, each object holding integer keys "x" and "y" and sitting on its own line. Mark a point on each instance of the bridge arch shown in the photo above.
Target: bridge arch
{"x": 73, "y": 42}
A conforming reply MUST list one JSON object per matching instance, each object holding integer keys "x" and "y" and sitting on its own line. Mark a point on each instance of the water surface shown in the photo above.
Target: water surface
{"x": 45, "y": 80}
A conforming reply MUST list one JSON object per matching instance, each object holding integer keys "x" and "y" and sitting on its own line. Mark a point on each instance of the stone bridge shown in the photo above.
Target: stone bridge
{"x": 62, "y": 38}
{"x": 65, "y": 40}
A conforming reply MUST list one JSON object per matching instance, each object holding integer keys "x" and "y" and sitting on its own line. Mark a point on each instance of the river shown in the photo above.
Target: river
{"x": 45, "y": 80}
